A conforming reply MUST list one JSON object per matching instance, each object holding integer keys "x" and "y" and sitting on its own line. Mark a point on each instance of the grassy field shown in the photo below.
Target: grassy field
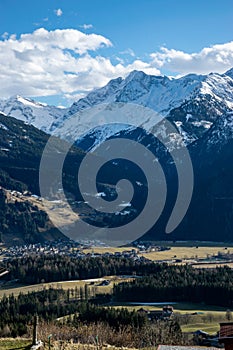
{"x": 211, "y": 328}
{"x": 15, "y": 344}
{"x": 191, "y": 244}
{"x": 182, "y": 308}
{"x": 207, "y": 318}
{"x": 102, "y": 250}
{"x": 198, "y": 316}
{"x": 212, "y": 266}
{"x": 15, "y": 289}
{"x": 183, "y": 252}
{"x": 186, "y": 253}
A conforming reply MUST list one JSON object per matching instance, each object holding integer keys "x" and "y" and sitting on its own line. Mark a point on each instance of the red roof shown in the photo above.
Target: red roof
{"x": 226, "y": 330}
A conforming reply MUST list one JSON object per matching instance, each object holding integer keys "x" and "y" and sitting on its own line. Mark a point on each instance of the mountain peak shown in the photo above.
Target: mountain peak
{"x": 39, "y": 114}
{"x": 230, "y": 73}
{"x": 135, "y": 75}
{"x": 25, "y": 101}
{"x": 193, "y": 95}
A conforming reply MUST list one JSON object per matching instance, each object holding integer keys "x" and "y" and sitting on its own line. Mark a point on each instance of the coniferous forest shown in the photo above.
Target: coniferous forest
{"x": 180, "y": 284}
{"x": 52, "y": 304}
{"x": 155, "y": 282}
{"x": 81, "y": 309}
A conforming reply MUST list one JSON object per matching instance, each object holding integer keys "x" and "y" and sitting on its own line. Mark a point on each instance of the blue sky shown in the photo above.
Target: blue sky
{"x": 157, "y": 36}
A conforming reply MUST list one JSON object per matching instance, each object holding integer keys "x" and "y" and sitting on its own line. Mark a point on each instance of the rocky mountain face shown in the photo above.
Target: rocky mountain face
{"x": 200, "y": 107}
{"x": 31, "y": 112}
{"x": 193, "y": 103}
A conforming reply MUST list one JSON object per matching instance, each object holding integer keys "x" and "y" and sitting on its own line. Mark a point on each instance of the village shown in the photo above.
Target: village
{"x": 137, "y": 251}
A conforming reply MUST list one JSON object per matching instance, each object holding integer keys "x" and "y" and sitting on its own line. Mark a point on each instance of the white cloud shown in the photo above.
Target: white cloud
{"x": 217, "y": 58}
{"x": 56, "y": 62}
{"x": 58, "y": 12}
{"x": 86, "y": 26}
{"x": 129, "y": 52}
{"x": 66, "y": 62}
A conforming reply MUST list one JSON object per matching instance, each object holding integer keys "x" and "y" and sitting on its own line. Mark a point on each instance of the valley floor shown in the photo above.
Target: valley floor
{"x": 192, "y": 316}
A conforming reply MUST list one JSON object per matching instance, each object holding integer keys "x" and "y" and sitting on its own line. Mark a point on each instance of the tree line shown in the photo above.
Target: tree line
{"x": 35, "y": 269}
{"x": 157, "y": 282}
{"x": 180, "y": 284}
{"x": 123, "y": 327}
{"x": 17, "y": 312}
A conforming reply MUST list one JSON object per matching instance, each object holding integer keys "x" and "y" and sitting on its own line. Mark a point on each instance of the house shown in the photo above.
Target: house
{"x": 226, "y": 335}
{"x": 225, "y": 338}
{"x": 152, "y": 315}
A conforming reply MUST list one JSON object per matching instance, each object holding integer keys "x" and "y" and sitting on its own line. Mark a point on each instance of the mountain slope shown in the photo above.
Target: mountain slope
{"x": 199, "y": 107}
{"x": 22, "y": 217}
{"x": 210, "y": 216}
{"x": 38, "y": 114}
{"x": 192, "y": 103}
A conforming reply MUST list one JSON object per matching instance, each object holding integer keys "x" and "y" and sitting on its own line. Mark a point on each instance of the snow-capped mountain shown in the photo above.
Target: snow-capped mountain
{"x": 38, "y": 114}
{"x": 192, "y": 103}
{"x": 200, "y": 107}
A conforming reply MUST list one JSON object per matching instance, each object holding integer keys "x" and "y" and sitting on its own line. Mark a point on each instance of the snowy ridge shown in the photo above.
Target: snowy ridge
{"x": 192, "y": 103}
{"x": 38, "y": 114}
{"x": 159, "y": 93}
{"x": 198, "y": 100}
{"x": 156, "y": 92}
